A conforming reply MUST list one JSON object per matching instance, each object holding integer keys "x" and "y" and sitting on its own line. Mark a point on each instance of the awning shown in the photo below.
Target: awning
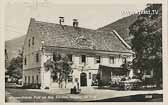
{"x": 113, "y": 69}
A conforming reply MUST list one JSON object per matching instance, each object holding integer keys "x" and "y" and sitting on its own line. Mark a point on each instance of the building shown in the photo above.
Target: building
{"x": 88, "y": 49}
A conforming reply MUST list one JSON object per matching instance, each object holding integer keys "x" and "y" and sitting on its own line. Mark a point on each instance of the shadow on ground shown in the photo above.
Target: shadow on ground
{"x": 135, "y": 98}
{"x": 118, "y": 89}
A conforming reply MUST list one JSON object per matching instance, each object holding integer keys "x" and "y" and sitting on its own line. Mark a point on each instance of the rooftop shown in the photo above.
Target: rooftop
{"x": 79, "y": 38}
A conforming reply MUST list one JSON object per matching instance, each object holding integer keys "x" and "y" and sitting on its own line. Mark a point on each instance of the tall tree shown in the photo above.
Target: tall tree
{"x": 15, "y": 67}
{"x": 60, "y": 68}
{"x": 146, "y": 34}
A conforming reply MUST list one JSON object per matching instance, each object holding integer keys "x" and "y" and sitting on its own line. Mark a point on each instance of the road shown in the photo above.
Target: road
{"x": 87, "y": 94}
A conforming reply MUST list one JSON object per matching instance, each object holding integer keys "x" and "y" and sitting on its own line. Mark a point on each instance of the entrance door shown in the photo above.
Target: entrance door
{"x": 83, "y": 79}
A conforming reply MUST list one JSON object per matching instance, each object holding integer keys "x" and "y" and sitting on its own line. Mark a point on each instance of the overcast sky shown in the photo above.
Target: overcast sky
{"x": 18, "y": 14}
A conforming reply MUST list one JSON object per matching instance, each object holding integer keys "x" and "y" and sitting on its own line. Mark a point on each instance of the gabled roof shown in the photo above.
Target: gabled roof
{"x": 80, "y": 38}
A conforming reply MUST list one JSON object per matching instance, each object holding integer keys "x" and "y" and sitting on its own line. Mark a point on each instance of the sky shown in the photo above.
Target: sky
{"x": 93, "y": 16}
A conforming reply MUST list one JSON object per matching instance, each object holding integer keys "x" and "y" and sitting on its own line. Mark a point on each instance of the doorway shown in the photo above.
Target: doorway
{"x": 83, "y": 79}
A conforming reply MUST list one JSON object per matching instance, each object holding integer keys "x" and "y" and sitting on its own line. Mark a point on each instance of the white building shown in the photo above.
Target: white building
{"x": 88, "y": 49}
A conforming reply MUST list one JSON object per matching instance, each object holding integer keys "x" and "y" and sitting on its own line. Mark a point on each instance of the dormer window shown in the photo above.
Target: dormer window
{"x": 32, "y": 40}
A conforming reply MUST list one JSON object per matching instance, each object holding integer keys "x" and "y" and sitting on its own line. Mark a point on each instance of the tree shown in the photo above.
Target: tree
{"x": 146, "y": 41}
{"x": 15, "y": 67}
{"x": 60, "y": 68}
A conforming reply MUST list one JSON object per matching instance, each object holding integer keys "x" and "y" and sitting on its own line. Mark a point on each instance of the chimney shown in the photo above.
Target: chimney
{"x": 61, "y": 20}
{"x": 75, "y": 22}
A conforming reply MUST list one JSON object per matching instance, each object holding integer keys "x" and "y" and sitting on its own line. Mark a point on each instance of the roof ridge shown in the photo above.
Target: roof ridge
{"x": 37, "y": 21}
{"x": 121, "y": 39}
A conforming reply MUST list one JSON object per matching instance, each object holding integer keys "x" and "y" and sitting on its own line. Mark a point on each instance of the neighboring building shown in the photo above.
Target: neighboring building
{"x": 86, "y": 48}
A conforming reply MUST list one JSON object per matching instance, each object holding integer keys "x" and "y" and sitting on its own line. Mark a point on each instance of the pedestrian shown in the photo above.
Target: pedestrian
{"x": 77, "y": 85}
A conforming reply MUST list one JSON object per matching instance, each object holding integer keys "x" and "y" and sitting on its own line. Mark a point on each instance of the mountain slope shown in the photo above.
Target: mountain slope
{"x": 14, "y": 46}
{"x": 121, "y": 26}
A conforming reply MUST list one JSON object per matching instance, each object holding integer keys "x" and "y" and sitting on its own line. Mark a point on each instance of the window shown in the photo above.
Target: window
{"x": 97, "y": 59}
{"x": 119, "y": 57}
{"x": 25, "y": 79}
{"x": 28, "y": 79}
{"x": 29, "y": 42}
{"x": 112, "y": 60}
{"x": 70, "y": 57}
{"x": 25, "y": 61}
{"x": 32, "y": 79}
{"x": 83, "y": 58}
{"x": 90, "y": 75}
{"x": 37, "y": 57}
{"x": 32, "y": 40}
{"x": 37, "y": 78}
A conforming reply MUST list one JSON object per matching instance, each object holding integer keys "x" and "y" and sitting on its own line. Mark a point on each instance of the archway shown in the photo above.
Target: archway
{"x": 83, "y": 79}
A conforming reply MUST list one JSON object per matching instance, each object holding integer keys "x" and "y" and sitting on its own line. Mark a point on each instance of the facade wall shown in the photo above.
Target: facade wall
{"x": 32, "y": 73}
{"x": 90, "y": 61}
{"x": 90, "y": 67}
{"x": 31, "y": 49}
